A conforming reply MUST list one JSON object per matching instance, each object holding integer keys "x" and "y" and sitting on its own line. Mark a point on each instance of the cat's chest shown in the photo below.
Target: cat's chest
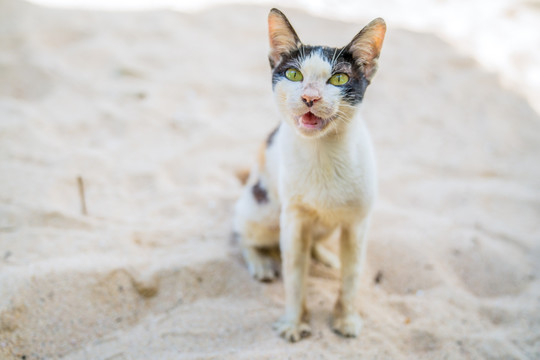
{"x": 329, "y": 178}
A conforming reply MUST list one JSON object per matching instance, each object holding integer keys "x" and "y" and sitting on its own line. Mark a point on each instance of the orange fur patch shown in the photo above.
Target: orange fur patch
{"x": 261, "y": 156}
{"x": 242, "y": 175}
{"x": 282, "y": 36}
{"x": 366, "y": 46}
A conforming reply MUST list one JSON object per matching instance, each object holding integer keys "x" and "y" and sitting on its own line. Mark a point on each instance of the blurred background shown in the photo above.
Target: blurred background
{"x": 502, "y": 35}
{"x": 123, "y": 125}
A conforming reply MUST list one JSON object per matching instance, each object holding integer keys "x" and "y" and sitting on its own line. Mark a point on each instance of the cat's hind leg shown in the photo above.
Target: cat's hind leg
{"x": 262, "y": 263}
{"x": 256, "y": 223}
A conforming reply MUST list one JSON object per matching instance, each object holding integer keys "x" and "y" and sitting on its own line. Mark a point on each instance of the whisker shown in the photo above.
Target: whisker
{"x": 341, "y": 52}
{"x": 332, "y": 63}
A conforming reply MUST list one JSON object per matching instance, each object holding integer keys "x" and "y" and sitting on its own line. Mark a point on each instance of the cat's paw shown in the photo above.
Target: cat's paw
{"x": 263, "y": 270}
{"x": 261, "y": 266}
{"x": 348, "y": 325}
{"x": 291, "y": 330}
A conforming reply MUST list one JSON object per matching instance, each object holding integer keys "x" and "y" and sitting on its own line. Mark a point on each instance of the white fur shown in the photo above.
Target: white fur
{"x": 317, "y": 182}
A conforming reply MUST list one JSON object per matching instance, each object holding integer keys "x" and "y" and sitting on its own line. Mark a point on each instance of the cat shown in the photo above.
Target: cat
{"x": 315, "y": 172}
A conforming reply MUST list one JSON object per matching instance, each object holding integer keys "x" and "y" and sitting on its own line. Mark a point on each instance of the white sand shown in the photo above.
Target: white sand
{"x": 156, "y": 111}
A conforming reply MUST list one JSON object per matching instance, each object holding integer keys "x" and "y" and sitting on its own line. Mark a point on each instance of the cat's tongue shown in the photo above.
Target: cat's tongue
{"x": 311, "y": 121}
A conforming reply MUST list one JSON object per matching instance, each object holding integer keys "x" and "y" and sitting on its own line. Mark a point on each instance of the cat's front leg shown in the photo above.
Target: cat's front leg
{"x": 295, "y": 245}
{"x": 346, "y": 320}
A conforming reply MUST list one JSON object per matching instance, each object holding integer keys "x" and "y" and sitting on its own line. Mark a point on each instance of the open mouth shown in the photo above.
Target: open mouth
{"x": 311, "y": 121}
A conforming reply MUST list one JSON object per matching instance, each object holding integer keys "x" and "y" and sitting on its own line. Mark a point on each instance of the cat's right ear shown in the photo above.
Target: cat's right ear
{"x": 366, "y": 47}
{"x": 283, "y": 38}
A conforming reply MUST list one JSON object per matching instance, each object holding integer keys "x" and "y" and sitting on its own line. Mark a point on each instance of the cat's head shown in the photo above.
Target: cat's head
{"x": 318, "y": 88}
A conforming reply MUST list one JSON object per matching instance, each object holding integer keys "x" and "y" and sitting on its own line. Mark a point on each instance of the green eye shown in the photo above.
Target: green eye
{"x": 339, "y": 79}
{"x": 294, "y": 75}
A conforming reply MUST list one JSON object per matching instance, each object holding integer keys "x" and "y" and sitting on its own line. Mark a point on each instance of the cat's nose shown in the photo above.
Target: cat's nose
{"x": 310, "y": 97}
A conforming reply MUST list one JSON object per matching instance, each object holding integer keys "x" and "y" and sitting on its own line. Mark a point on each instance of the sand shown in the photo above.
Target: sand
{"x": 156, "y": 111}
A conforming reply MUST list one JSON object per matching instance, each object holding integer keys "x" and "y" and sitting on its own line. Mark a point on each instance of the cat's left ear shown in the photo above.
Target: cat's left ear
{"x": 283, "y": 38}
{"x": 366, "y": 47}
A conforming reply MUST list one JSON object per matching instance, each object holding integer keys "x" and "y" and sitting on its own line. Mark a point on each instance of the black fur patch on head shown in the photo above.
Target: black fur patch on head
{"x": 259, "y": 193}
{"x": 342, "y": 62}
{"x": 288, "y": 60}
{"x": 353, "y": 91}
{"x": 270, "y": 138}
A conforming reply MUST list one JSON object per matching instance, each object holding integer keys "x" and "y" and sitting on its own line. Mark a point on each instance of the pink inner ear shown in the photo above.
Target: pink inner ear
{"x": 272, "y": 23}
{"x": 275, "y": 30}
{"x": 377, "y": 36}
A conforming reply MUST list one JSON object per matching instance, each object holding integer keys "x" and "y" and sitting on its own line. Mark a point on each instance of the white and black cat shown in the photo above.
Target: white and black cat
{"x": 315, "y": 173}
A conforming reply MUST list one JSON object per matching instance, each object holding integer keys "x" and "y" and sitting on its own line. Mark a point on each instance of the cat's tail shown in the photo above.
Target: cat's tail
{"x": 242, "y": 175}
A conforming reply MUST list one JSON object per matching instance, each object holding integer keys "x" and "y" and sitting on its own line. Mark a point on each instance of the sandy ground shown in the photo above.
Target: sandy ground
{"x": 156, "y": 111}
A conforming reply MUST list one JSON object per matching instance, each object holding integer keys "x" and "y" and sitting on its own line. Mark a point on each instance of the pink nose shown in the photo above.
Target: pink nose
{"x": 310, "y": 96}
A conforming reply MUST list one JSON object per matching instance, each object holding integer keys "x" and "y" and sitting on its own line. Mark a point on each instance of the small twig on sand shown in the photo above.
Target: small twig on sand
{"x": 80, "y": 183}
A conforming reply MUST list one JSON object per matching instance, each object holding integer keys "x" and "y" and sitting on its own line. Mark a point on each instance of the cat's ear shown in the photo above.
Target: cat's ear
{"x": 283, "y": 38}
{"x": 366, "y": 46}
